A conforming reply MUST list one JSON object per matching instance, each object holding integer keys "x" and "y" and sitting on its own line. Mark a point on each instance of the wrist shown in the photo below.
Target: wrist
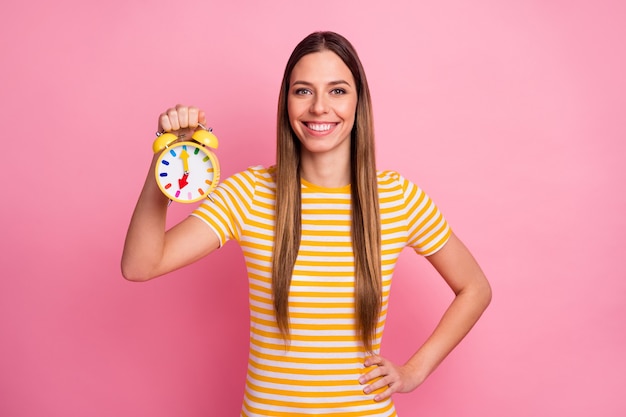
{"x": 417, "y": 370}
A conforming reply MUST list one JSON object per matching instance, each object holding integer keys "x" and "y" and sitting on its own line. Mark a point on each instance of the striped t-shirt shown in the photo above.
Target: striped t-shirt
{"x": 317, "y": 371}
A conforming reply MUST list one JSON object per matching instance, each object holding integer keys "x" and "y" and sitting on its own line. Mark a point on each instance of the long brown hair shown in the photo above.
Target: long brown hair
{"x": 365, "y": 227}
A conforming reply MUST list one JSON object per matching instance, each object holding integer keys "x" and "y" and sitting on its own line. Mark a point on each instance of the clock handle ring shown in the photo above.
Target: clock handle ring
{"x": 204, "y": 136}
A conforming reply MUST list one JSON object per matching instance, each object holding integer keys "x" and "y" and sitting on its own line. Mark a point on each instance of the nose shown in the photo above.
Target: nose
{"x": 319, "y": 104}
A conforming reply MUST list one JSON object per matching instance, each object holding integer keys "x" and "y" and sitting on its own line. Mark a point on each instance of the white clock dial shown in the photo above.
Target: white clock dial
{"x": 187, "y": 172}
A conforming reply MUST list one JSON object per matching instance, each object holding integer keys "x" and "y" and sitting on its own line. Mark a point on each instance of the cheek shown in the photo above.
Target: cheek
{"x": 291, "y": 111}
{"x": 348, "y": 110}
{"x": 293, "y": 114}
{"x": 293, "y": 123}
{"x": 350, "y": 119}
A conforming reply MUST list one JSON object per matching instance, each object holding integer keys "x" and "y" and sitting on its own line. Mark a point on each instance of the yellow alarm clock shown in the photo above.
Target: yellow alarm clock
{"x": 187, "y": 171}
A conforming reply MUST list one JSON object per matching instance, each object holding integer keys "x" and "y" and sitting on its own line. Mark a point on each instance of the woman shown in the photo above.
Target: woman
{"x": 321, "y": 232}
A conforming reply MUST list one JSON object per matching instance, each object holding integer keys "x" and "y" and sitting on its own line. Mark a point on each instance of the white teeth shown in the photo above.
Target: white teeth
{"x": 319, "y": 127}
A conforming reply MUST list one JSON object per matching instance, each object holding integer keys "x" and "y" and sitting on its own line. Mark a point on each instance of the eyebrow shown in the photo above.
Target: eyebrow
{"x": 337, "y": 82}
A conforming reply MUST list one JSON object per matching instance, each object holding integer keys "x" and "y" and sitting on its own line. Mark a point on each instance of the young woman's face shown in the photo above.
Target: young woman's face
{"x": 322, "y": 103}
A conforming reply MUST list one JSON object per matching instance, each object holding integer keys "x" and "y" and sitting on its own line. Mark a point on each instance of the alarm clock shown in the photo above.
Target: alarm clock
{"x": 187, "y": 171}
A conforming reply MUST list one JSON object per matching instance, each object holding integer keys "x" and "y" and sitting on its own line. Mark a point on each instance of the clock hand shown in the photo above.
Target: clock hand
{"x": 185, "y": 156}
{"x": 183, "y": 181}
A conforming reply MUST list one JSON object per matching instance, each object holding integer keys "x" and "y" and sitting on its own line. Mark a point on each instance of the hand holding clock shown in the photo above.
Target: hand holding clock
{"x": 186, "y": 169}
{"x": 181, "y": 120}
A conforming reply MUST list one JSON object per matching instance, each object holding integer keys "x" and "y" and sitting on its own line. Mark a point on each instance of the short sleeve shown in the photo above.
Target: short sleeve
{"x": 227, "y": 208}
{"x": 428, "y": 230}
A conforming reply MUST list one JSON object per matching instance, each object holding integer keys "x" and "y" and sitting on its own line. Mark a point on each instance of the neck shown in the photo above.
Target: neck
{"x": 326, "y": 171}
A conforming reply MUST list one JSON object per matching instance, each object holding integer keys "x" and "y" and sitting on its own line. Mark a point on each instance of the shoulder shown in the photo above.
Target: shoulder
{"x": 252, "y": 176}
{"x": 393, "y": 180}
{"x": 247, "y": 185}
{"x": 393, "y": 186}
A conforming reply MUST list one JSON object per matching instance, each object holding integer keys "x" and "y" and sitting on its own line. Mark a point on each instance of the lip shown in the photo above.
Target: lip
{"x": 319, "y": 128}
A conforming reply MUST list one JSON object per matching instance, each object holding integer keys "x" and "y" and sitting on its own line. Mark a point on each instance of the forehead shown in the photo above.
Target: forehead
{"x": 321, "y": 67}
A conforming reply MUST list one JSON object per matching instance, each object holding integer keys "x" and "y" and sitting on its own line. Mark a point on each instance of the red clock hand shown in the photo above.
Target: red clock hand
{"x": 183, "y": 181}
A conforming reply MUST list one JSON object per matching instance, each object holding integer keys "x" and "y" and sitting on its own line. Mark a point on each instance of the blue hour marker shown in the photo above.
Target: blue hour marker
{"x": 172, "y": 152}
{"x": 163, "y": 174}
{"x": 164, "y": 162}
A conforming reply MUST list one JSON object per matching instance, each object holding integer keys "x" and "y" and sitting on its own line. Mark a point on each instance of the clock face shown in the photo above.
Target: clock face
{"x": 187, "y": 172}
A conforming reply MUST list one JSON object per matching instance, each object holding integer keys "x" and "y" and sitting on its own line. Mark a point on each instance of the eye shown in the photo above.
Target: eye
{"x": 338, "y": 91}
{"x": 302, "y": 91}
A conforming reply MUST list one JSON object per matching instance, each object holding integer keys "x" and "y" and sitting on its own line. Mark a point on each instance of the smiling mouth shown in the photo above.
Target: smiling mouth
{"x": 320, "y": 127}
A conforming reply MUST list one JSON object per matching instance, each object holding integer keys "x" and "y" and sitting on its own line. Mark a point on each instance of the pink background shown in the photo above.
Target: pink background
{"x": 510, "y": 114}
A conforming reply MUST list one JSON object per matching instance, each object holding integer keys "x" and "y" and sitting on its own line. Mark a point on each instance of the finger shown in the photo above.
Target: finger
{"x": 202, "y": 117}
{"x": 382, "y": 396}
{"x": 183, "y": 116}
{"x": 372, "y": 373}
{"x": 378, "y": 387}
{"x": 193, "y": 117}
{"x": 373, "y": 360}
{"x": 172, "y": 114}
{"x": 164, "y": 123}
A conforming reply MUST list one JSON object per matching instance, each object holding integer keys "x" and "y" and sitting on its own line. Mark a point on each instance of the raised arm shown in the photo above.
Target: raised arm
{"x": 150, "y": 250}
